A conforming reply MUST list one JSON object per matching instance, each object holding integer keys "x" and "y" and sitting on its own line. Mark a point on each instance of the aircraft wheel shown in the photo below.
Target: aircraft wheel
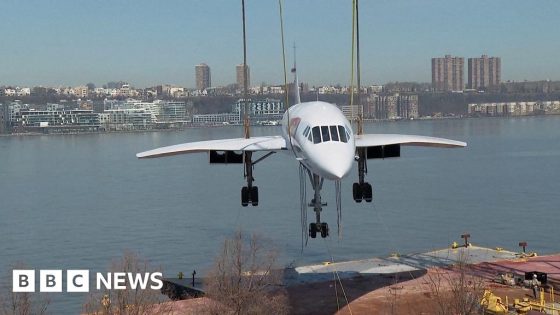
{"x": 244, "y": 196}
{"x": 357, "y": 192}
{"x": 313, "y": 230}
{"x": 324, "y": 230}
{"x": 368, "y": 192}
{"x": 255, "y": 196}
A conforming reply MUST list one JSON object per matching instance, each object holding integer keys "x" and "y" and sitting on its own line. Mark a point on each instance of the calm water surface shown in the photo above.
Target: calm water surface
{"x": 79, "y": 201}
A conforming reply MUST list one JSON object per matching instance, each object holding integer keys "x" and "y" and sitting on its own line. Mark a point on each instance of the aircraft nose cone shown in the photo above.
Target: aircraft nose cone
{"x": 337, "y": 168}
{"x": 343, "y": 169}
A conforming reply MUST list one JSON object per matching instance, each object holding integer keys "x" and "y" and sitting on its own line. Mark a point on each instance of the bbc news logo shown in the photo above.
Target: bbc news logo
{"x": 79, "y": 281}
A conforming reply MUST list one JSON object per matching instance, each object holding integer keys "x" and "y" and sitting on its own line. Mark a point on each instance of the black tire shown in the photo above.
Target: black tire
{"x": 368, "y": 192}
{"x": 313, "y": 230}
{"x": 324, "y": 230}
{"x": 244, "y": 196}
{"x": 357, "y": 192}
{"x": 255, "y": 196}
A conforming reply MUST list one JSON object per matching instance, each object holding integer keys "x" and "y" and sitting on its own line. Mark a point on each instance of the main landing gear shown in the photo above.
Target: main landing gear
{"x": 362, "y": 190}
{"x": 250, "y": 193}
{"x": 318, "y": 226}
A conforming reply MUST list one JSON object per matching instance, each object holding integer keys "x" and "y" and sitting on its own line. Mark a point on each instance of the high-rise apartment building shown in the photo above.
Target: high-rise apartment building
{"x": 202, "y": 75}
{"x": 240, "y": 79}
{"x": 447, "y": 73}
{"x": 484, "y": 72}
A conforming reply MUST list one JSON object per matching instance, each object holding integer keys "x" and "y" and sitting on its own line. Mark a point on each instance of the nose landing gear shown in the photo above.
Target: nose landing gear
{"x": 318, "y": 226}
{"x": 322, "y": 228}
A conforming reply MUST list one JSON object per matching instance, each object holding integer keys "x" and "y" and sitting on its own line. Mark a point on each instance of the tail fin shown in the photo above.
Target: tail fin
{"x": 296, "y": 81}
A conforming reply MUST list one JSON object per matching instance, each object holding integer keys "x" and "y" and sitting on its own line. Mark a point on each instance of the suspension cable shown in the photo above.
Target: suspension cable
{"x": 246, "y": 127}
{"x": 286, "y": 100}
{"x": 358, "y": 72}
{"x": 303, "y": 172}
{"x": 338, "y": 192}
{"x": 283, "y": 53}
{"x": 352, "y": 57}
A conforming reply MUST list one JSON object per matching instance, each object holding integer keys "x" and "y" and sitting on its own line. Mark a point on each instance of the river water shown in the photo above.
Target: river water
{"x": 81, "y": 201}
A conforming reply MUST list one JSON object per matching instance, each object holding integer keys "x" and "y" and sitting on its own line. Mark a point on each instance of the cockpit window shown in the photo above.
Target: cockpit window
{"x": 343, "y": 134}
{"x": 316, "y": 135}
{"x": 334, "y": 133}
{"x": 306, "y": 131}
{"x": 325, "y": 133}
{"x": 320, "y": 134}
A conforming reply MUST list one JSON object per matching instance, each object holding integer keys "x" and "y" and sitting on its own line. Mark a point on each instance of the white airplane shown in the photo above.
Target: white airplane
{"x": 320, "y": 137}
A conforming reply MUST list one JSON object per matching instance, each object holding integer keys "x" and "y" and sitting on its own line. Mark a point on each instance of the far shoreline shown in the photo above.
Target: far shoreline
{"x": 458, "y": 117}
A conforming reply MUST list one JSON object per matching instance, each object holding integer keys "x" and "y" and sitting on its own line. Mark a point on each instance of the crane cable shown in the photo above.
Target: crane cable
{"x": 352, "y": 57}
{"x": 358, "y": 72}
{"x": 246, "y": 127}
{"x": 285, "y": 72}
{"x": 356, "y": 54}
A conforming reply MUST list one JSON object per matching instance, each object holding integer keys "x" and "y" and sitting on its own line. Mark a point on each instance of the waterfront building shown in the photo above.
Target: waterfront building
{"x": 352, "y": 112}
{"x": 158, "y": 111}
{"x": 261, "y": 109}
{"x": 392, "y": 106}
{"x": 55, "y": 121}
{"x": 216, "y": 119}
{"x": 202, "y": 76}
{"x": 514, "y": 108}
{"x": 239, "y": 76}
{"x": 13, "y": 112}
{"x": 447, "y": 73}
{"x": 123, "y": 119}
{"x": 408, "y": 106}
{"x": 173, "y": 112}
{"x": 3, "y": 118}
{"x": 385, "y": 106}
{"x": 484, "y": 72}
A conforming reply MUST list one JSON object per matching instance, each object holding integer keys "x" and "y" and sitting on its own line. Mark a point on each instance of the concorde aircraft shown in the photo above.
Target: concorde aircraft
{"x": 322, "y": 141}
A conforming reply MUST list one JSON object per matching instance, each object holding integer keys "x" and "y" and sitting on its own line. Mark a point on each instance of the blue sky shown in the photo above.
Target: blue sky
{"x": 63, "y": 42}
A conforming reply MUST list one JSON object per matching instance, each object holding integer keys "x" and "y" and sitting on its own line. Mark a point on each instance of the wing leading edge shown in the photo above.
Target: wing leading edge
{"x": 373, "y": 140}
{"x": 272, "y": 143}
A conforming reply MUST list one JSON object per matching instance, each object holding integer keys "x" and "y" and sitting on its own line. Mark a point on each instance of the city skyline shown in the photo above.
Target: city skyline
{"x": 61, "y": 44}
